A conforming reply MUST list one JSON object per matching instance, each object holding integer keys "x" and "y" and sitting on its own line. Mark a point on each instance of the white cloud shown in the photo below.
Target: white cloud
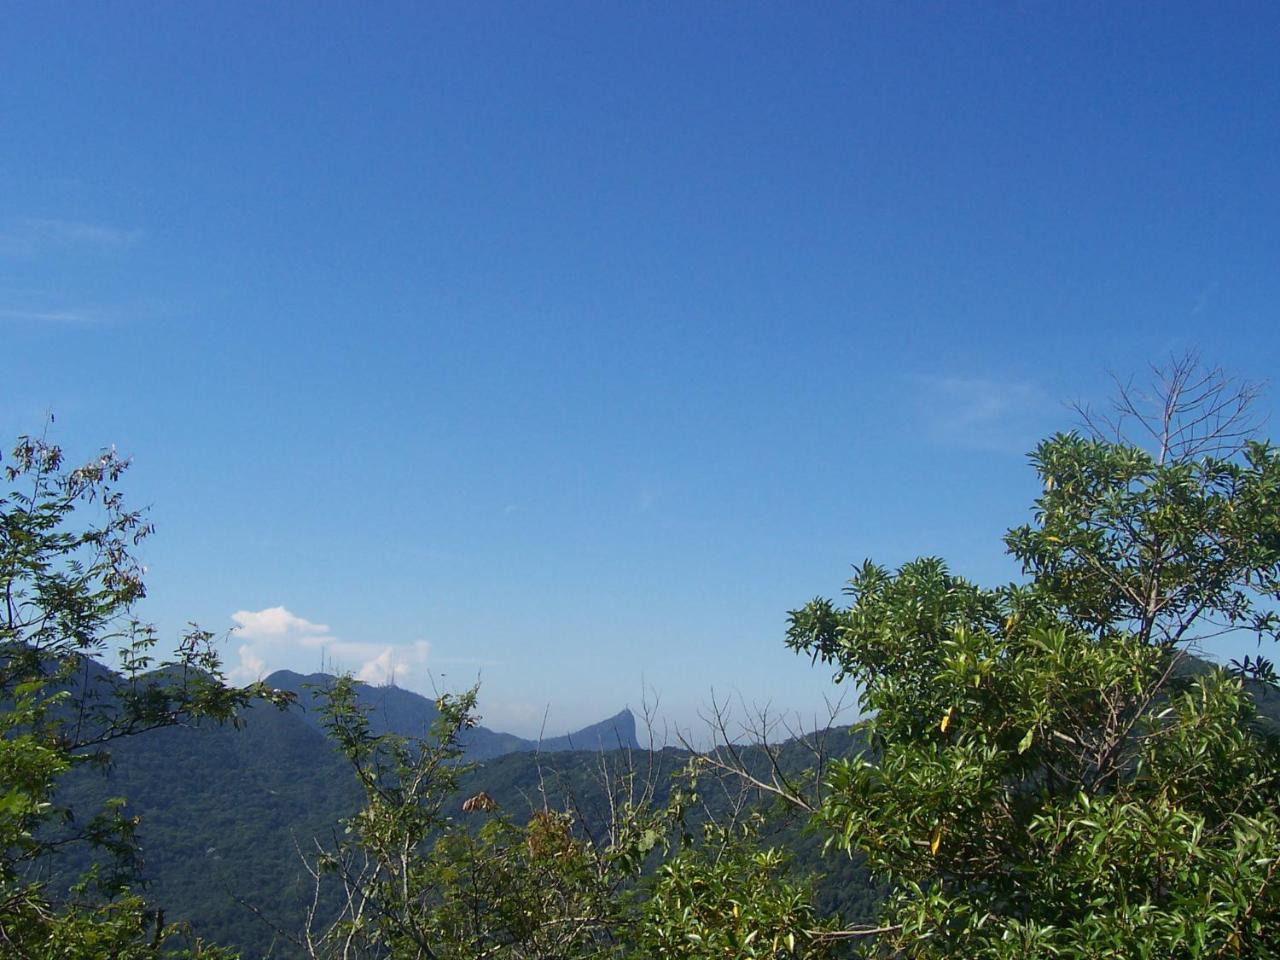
{"x": 981, "y": 414}
{"x": 275, "y": 638}
{"x": 394, "y": 664}
{"x": 250, "y": 662}
{"x": 276, "y": 623}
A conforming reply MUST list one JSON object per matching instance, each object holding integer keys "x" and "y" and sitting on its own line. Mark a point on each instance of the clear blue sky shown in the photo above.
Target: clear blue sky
{"x": 572, "y": 344}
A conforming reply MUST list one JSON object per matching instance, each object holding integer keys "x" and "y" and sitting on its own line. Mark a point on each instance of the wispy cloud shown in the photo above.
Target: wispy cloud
{"x": 981, "y": 414}
{"x": 18, "y": 315}
{"x": 32, "y": 235}
{"x": 1205, "y": 298}
{"x": 275, "y": 638}
{"x": 466, "y": 662}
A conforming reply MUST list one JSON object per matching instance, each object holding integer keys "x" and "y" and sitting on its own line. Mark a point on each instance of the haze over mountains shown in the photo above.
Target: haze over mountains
{"x": 392, "y": 709}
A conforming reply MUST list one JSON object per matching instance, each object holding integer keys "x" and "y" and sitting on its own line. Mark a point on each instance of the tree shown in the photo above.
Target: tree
{"x": 69, "y": 586}
{"x": 1050, "y": 773}
{"x": 416, "y": 882}
{"x": 731, "y": 899}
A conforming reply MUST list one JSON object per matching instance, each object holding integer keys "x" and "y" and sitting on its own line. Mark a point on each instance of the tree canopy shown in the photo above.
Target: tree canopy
{"x": 1050, "y": 772}
{"x": 69, "y": 579}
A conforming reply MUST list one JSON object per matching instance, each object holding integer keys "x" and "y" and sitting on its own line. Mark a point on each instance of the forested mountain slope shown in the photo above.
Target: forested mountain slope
{"x": 227, "y": 814}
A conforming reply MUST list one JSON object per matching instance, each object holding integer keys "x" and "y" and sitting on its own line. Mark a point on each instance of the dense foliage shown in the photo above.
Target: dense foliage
{"x": 68, "y": 588}
{"x": 417, "y": 883}
{"x": 1050, "y": 774}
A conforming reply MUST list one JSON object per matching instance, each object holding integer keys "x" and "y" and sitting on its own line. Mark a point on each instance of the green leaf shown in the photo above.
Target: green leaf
{"x": 1025, "y": 743}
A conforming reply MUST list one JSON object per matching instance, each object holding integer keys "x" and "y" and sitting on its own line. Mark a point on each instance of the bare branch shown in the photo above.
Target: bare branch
{"x": 1188, "y": 410}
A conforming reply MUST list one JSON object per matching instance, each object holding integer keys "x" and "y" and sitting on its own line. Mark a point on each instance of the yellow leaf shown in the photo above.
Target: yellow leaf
{"x": 936, "y": 842}
{"x": 946, "y": 720}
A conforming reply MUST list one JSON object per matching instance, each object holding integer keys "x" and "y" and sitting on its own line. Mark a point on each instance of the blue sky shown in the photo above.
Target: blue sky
{"x": 571, "y": 345}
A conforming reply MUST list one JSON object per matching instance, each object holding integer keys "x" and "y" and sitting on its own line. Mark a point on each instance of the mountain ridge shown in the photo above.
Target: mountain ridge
{"x": 392, "y": 709}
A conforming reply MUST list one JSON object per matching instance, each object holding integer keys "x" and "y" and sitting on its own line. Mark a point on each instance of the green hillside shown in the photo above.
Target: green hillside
{"x": 227, "y": 813}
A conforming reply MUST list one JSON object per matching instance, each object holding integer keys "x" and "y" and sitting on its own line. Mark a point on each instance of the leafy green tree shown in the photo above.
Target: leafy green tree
{"x": 416, "y": 881}
{"x": 68, "y": 586}
{"x": 729, "y": 898}
{"x": 1050, "y": 774}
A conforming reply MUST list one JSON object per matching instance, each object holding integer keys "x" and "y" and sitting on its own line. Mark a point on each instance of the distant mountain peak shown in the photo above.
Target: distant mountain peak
{"x": 396, "y": 710}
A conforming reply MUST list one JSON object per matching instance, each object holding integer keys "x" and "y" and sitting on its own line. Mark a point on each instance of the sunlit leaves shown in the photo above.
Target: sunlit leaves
{"x": 1049, "y": 774}
{"x": 69, "y": 579}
